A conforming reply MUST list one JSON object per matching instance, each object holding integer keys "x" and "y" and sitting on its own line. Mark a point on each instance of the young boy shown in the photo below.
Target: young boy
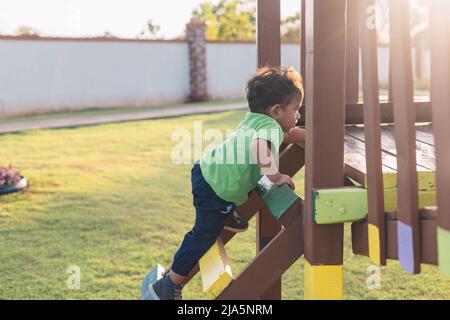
{"x": 226, "y": 174}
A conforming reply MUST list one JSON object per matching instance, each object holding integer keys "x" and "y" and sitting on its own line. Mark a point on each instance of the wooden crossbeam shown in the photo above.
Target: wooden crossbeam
{"x": 404, "y": 118}
{"x": 440, "y": 82}
{"x": 354, "y": 113}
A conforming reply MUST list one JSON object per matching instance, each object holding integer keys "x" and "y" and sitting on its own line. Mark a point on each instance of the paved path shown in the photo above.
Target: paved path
{"x": 79, "y": 121}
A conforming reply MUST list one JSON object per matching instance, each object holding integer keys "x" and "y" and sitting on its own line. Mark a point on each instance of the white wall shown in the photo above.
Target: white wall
{"x": 58, "y": 75}
{"x": 230, "y": 65}
{"x": 45, "y": 75}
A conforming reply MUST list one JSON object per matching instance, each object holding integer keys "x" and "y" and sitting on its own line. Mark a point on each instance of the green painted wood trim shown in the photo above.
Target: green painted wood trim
{"x": 277, "y": 198}
{"x": 444, "y": 251}
{"x": 339, "y": 205}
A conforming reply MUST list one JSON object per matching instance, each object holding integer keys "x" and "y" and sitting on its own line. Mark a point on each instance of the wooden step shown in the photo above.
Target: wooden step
{"x": 215, "y": 270}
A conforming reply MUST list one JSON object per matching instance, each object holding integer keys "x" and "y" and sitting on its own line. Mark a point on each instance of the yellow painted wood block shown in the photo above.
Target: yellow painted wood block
{"x": 374, "y": 244}
{"x": 426, "y": 199}
{"x": 426, "y": 184}
{"x": 323, "y": 282}
{"x": 215, "y": 270}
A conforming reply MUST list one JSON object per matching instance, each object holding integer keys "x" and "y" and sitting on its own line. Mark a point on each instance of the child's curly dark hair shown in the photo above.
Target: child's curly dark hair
{"x": 271, "y": 86}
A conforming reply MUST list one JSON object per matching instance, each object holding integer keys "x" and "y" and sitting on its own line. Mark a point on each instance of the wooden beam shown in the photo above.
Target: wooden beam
{"x": 440, "y": 84}
{"x": 404, "y": 116}
{"x": 325, "y": 98}
{"x": 269, "y": 53}
{"x": 354, "y": 113}
{"x": 372, "y": 132}
{"x": 303, "y": 44}
{"x": 268, "y": 36}
{"x": 352, "y": 52}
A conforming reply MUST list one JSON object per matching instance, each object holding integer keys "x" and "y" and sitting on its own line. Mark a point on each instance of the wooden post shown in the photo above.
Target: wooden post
{"x": 269, "y": 53}
{"x": 268, "y": 35}
{"x": 440, "y": 95}
{"x": 352, "y": 52}
{"x": 405, "y": 134}
{"x": 372, "y": 132}
{"x": 325, "y": 98}
{"x": 303, "y": 44}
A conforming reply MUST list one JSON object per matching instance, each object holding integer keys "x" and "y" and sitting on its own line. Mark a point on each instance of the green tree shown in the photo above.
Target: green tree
{"x": 151, "y": 30}
{"x": 24, "y": 30}
{"x": 290, "y": 28}
{"x": 231, "y": 20}
{"x": 228, "y": 20}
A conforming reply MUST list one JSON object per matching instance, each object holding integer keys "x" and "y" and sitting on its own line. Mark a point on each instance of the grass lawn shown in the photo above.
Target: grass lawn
{"x": 108, "y": 199}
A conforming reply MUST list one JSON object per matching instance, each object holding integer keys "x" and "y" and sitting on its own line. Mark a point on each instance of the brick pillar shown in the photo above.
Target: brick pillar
{"x": 195, "y": 36}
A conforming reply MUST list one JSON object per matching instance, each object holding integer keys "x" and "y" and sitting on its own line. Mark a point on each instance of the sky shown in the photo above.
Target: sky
{"x": 122, "y": 18}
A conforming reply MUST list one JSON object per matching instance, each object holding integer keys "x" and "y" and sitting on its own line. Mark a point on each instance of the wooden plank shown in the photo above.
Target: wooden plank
{"x": 356, "y": 148}
{"x": 404, "y": 118}
{"x": 372, "y": 130}
{"x": 424, "y": 133}
{"x": 215, "y": 270}
{"x": 352, "y": 52}
{"x": 269, "y": 53}
{"x": 325, "y": 63}
{"x": 354, "y": 112}
{"x": 440, "y": 82}
{"x": 425, "y": 153}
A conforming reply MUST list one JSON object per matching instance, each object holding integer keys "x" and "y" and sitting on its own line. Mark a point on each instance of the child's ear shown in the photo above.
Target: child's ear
{"x": 274, "y": 111}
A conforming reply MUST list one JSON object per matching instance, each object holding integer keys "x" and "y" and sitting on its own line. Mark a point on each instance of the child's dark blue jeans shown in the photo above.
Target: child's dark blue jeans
{"x": 211, "y": 213}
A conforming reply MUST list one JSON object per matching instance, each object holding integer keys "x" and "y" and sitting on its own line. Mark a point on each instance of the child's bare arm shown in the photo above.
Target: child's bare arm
{"x": 296, "y": 135}
{"x": 263, "y": 156}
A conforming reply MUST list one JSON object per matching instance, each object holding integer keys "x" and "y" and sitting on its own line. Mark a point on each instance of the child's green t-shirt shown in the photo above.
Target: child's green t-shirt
{"x": 229, "y": 168}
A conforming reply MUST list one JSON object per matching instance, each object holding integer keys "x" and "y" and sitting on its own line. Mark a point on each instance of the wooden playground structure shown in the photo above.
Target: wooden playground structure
{"x": 384, "y": 166}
